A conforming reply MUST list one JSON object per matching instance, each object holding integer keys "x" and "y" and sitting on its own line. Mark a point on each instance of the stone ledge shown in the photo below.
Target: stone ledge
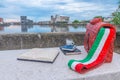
{"x": 27, "y": 41}
{"x": 42, "y": 40}
{"x": 12, "y": 69}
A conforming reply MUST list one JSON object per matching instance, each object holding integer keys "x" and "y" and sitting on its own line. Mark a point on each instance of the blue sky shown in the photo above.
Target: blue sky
{"x": 39, "y": 10}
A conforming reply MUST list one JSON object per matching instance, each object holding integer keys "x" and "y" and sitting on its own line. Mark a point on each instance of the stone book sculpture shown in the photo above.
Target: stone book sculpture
{"x": 39, "y": 55}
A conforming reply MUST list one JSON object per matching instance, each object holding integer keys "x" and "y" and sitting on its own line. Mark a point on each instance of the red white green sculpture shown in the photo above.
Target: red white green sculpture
{"x": 98, "y": 52}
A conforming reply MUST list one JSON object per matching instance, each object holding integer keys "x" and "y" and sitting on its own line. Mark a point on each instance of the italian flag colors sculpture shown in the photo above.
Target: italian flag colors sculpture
{"x": 99, "y": 43}
{"x": 97, "y": 53}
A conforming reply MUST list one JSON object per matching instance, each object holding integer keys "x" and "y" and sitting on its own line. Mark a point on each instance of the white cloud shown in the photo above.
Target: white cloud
{"x": 11, "y": 20}
{"x": 15, "y": 8}
{"x": 38, "y": 3}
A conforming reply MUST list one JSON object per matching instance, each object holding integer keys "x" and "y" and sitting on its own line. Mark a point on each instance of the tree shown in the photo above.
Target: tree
{"x": 99, "y": 17}
{"x": 116, "y": 18}
{"x": 116, "y": 15}
{"x": 76, "y": 21}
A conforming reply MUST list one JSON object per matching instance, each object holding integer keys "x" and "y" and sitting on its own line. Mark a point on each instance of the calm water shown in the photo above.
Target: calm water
{"x": 40, "y": 29}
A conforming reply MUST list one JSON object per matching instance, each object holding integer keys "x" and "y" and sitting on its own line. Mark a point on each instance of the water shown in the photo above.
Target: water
{"x": 40, "y": 29}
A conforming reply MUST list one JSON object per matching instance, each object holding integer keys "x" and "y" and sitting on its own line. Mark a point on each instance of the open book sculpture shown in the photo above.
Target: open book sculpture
{"x": 39, "y": 55}
{"x": 100, "y": 51}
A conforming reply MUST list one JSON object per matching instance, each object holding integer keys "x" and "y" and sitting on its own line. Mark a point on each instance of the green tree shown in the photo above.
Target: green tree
{"x": 99, "y": 17}
{"x": 116, "y": 18}
{"x": 116, "y": 15}
{"x": 76, "y": 21}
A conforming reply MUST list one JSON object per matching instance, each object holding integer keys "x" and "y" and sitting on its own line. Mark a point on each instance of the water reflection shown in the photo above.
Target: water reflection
{"x": 43, "y": 28}
{"x": 52, "y": 28}
{"x": 24, "y": 28}
{"x": 77, "y": 28}
{"x": 58, "y": 28}
{"x": 40, "y": 28}
{"x": 1, "y": 28}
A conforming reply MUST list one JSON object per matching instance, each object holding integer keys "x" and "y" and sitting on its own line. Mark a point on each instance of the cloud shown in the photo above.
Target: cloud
{"x": 43, "y": 9}
{"x": 86, "y": 10}
{"x": 11, "y": 20}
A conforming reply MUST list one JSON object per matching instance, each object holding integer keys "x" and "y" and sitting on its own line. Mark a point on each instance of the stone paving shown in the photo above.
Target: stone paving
{"x": 13, "y": 69}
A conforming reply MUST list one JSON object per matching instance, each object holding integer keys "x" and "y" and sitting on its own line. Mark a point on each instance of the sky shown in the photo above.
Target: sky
{"x": 41, "y": 10}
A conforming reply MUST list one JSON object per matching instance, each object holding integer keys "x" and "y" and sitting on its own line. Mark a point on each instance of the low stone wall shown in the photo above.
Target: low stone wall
{"x": 25, "y": 41}
{"x": 117, "y": 43}
{"x": 41, "y": 40}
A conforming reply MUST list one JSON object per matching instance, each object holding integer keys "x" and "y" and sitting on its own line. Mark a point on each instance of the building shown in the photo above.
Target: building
{"x": 108, "y": 19}
{"x": 25, "y": 21}
{"x": 44, "y": 22}
{"x": 29, "y": 22}
{"x": 59, "y": 19}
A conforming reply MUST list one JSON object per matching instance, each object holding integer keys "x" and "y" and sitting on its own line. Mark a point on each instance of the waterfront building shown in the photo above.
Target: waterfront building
{"x": 59, "y": 19}
{"x": 25, "y": 21}
{"x": 44, "y": 22}
{"x": 108, "y": 19}
{"x": 29, "y": 22}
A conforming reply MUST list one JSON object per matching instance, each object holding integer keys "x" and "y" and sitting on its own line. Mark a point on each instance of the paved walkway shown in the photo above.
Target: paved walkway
{"x": 13, "y": 69}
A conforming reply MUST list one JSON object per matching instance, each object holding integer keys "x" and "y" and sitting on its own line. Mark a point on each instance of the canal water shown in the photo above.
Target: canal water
{"x": 40, "y": 29}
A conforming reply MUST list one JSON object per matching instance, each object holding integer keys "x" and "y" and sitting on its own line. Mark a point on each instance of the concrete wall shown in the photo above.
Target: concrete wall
{"x": 117, "y": 43}
{"x": 41, "y": 40}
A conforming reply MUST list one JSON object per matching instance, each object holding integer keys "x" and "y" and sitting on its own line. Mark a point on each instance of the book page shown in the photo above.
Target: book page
{"x": 40, "y": 54}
